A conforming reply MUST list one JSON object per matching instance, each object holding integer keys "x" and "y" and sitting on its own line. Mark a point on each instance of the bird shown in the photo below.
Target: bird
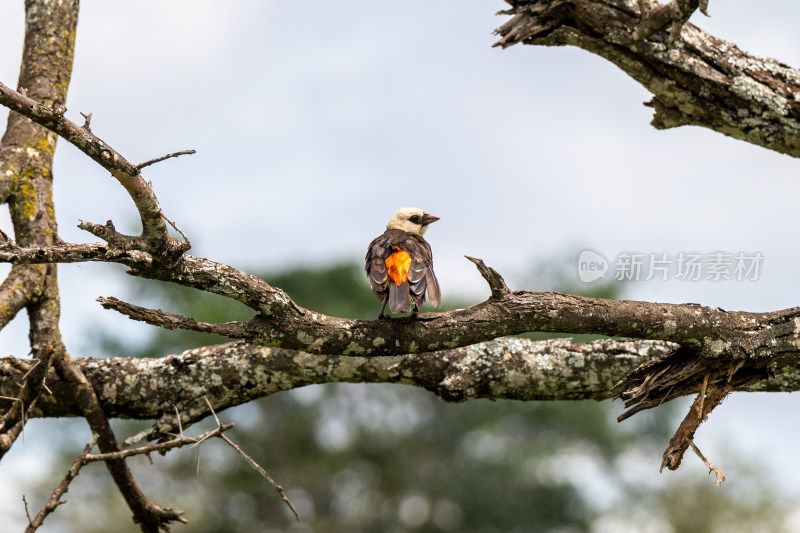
{"x": 399, "y": 263}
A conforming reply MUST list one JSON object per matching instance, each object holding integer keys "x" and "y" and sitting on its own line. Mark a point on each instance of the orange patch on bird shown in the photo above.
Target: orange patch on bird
{"x": 398, "y": 264}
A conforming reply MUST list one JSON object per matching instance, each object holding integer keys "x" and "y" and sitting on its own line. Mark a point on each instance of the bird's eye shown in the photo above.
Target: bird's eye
{"x": 416, "y": 219}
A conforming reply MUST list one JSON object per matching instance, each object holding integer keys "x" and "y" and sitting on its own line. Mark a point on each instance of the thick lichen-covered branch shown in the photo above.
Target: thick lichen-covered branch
{"x": 696, "y": 79}
{"x": 235, "y": 373}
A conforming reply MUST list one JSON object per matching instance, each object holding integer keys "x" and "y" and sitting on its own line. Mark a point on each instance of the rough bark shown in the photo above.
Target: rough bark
{"x": 26, "y": 179}
{"x": 677, "y": 349}
{"x": 235, "y": 373}
{"x": 697, "y": 79}
{"x": 709, "y": 332}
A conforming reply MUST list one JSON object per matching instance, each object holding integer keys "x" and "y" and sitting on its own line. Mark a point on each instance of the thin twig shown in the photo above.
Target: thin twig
{"x": 160, "y": 446}
{"x": 255, "y": 465}
{"x": 264, "y": 473}
{"x": 711, "y": 468}
{"x": 151, "y": 517}
{"x": 55, "y": 498}
{"x": 208, "y": 403}
{"x": 140, "y": 166}
{"x": 25, "y": 503}
{"x": 167, "y": 320}
{"x": 703, "y": 394}
{"x": 21, "y": 404}
{"x": 186, "y": 242}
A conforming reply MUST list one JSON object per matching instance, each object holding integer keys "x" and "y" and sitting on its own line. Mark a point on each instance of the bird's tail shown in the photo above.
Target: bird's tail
{"x": 399, "y": 298}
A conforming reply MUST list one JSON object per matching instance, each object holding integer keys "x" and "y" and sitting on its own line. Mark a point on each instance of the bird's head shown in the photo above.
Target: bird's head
{"x": 412, "y": 220}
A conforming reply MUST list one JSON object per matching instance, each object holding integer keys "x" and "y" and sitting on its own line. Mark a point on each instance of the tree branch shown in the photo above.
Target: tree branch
{"x": 707, "y": 331}
{"x": 20, "y": 287}
{"x": 55, "y": 498}
{"x": 763, "y": 338}
{"x": 236, "y": 373}
{"x": 161, "y": 447}
{"x": 152, "y": 518}
{"x": 155, "y": 234}
{"x": 12, "y": 253}
{"x": 166, "y": 320}
{"x": 149, "y": 162}
{"x": 699, "y": 80}
{"x": 26, "y": 182}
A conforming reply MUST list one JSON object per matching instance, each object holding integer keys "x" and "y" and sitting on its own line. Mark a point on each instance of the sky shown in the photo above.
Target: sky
{"x": 313, "y": 124}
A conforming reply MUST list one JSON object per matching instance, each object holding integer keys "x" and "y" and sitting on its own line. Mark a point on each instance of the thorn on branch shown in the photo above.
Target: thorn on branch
{"x": 280, "y": 490}
{"x": 186, "y": 244}
{"x": 495, "y": 280}
{"x": 160, "y": 447}
{"x": 140, "y": 166}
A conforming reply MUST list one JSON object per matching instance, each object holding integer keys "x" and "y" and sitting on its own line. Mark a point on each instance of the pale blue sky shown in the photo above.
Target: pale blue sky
{"x": 314, "y": 122}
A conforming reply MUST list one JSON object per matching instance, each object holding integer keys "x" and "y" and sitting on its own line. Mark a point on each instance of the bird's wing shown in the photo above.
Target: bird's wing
{"x": 420, "y": 274}
{"x": 375, "y": 266}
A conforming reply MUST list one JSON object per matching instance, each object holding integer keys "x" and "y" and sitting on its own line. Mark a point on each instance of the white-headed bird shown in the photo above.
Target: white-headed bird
{"x": 399, "y": 263}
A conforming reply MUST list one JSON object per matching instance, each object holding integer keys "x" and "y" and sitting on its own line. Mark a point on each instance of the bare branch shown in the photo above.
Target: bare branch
{"x": 707, "y": 335}
{"x": 710, "y": 396}
{"x": 700, "y": 80}
{"x": 152, "y": 518}
{"x": 22, "y": 283}
{"x": 140, "y": 166}
{"x": 495, "y": 280}
{"x": 109, "y": 233}
{"x": 10, "y": 252}
{"x": 254, "y": 464}
{"x": 154, "y": 229}
{"x": 264, "y": 473}
{"x": 656, "y": 16}
{"x": 160, "y": 447}
{"x": 26, "y": 182}
{"x": 164, "y": 319}
{"x": 510, "y": 368}
{"x": 55, "y": 498}
{"x": 27, "y": 513}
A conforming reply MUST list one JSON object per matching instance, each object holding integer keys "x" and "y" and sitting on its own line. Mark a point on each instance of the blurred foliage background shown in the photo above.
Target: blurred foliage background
{"x": 391, "y": 458}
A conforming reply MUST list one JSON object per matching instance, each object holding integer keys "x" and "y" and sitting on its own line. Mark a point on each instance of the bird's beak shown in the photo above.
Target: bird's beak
{"x": 427, "y": 218}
